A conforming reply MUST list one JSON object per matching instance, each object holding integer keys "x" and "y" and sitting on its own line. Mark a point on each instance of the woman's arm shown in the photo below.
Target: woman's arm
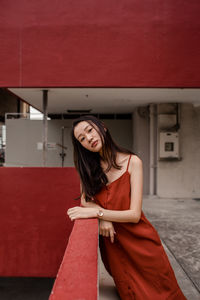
{"x": 106, "y": 228}
{"x": 131, "y": 215}
{"x": 88, "y": 204}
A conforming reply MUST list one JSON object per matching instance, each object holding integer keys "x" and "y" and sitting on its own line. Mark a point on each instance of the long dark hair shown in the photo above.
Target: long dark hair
{"x": 87, "y": 162}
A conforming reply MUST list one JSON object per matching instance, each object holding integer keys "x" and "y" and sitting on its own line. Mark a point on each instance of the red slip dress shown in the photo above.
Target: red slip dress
{"x": 136, "y": 260}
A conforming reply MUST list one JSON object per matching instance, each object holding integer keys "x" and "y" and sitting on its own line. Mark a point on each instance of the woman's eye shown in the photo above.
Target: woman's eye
{"x": 82, "y": 139}
{"x": 90, "y": 129}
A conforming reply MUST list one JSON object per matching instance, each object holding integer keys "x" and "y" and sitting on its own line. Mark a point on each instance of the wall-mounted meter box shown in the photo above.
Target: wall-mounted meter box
{"x": 169, "y": 145}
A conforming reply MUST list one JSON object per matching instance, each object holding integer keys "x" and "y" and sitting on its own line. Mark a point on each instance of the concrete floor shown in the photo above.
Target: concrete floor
{"x": 178, "y": 224}
{"x": 107, "y": 289}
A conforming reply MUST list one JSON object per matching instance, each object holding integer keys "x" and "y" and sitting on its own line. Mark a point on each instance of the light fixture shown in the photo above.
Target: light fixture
{"x": 78, "y": 111}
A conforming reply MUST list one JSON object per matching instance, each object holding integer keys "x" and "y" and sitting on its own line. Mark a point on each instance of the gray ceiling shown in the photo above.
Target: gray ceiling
{"x": 105, "y": 100}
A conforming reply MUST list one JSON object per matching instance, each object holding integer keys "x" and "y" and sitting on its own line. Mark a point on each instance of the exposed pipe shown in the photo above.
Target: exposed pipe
{"x": 63, "y": 154}
{"x": 45, "y": 126}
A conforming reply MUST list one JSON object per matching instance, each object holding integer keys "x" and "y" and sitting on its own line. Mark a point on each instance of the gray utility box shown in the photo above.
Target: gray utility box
{"x": 169, "y": 145}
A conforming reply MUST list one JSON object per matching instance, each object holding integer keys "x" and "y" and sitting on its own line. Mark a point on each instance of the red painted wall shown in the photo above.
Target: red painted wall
{"x": 148, "y": 43}
{"x": 34, "y": 224}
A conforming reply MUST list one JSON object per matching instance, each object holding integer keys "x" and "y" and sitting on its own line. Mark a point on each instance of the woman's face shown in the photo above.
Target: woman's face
{"x": 88, "y": 136}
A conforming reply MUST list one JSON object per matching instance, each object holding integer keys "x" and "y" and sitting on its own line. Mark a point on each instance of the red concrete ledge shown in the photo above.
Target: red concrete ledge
{"x": 77, "y": 278}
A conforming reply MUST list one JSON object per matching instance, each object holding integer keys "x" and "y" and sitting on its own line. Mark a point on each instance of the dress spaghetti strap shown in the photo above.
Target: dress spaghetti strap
{"x": 128, "y": 162}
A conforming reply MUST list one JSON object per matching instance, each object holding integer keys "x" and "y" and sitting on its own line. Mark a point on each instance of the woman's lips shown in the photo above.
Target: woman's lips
{"x": 94, "y": 144}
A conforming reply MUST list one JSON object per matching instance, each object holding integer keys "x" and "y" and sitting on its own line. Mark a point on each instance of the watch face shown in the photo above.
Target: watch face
{"x": 100, "y": 213}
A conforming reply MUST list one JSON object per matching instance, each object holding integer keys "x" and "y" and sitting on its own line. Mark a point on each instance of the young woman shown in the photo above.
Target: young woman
{"x": 111, "y": 190}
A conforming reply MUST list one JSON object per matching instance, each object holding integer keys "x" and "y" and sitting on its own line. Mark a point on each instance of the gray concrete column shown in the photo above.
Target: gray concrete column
{"x": 45, "y": 126}
{"x": 141, "y": 141}
{"x": 152, "y": 148}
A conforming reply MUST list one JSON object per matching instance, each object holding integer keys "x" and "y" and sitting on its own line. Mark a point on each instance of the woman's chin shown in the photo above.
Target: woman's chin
{"x": 98, "y": 148}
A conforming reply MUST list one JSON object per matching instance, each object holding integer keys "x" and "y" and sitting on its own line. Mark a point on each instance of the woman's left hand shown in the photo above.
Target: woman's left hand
{"x": 78, "y": 212}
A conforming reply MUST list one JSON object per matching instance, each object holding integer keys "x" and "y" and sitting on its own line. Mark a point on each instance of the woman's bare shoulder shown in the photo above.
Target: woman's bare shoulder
{"x": 135, "y": 163}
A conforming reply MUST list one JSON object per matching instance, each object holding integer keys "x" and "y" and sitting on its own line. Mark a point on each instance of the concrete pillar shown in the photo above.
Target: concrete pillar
{"x": 152, "y": 148}
{"x": 45, "y": 126}
{"x": 141, "y": 141}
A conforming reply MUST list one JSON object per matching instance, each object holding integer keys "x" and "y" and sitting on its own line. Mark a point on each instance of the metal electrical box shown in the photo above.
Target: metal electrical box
{"x": 169, "y": 145}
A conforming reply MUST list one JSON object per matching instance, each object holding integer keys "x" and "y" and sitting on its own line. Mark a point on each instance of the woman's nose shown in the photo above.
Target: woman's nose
{"x": 89, "y": 137}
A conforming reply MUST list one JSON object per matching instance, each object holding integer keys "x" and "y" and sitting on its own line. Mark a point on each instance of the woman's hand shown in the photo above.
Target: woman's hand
{"x": 106, "y": 228}
{"x": 78, "y": 212}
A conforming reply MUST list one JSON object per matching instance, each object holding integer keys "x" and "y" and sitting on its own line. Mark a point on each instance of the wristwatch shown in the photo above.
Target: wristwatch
{"x": 100, "y": 213}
